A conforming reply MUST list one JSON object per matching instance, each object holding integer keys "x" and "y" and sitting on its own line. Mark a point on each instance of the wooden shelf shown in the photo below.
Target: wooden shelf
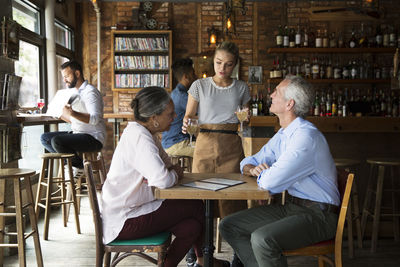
{"x": 387, "y": 50}
{"x": 150, "y": 73}
{"x": 340, "y": 124}
{"x": 339, "y": 81}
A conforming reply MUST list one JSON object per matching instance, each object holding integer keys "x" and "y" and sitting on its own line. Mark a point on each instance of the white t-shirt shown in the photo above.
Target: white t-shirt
{"x": 138, "y": 164}
{"x": 217, "y": 105}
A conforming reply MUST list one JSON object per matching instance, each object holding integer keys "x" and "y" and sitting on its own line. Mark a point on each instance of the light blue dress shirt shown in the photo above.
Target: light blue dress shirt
{"x": 300, "y": 162}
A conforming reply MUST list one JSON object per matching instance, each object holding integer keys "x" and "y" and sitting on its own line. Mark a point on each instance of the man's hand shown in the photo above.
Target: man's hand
{"x": 254, "y": 170}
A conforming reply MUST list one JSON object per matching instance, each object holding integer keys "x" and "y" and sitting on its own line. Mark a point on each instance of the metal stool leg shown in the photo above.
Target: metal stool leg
{"x": 2, "y": 221}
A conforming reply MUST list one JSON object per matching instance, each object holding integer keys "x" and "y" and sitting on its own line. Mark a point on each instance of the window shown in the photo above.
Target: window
{"x": 64, "y": 35}
{"x": 28, "y": 67}
{"x": 27, "y": 15}
{"x": 60, "y": 79}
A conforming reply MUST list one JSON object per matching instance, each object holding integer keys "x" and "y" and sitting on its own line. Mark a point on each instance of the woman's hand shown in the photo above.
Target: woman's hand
{"x": 184, "y": 125}
{"x": 178, "y": 170}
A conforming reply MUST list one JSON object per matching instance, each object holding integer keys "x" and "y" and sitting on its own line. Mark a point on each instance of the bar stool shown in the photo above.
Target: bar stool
{"x": 380, "y": 164}
{"x": 81, "y": 182}
{"x": 353, "y": 208}
{"x": 48, "y": 161}
{"x": 16, "y": 175}
{"x": 184, "y": 161}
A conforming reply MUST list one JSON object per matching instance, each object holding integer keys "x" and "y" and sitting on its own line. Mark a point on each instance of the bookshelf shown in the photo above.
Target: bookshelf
{"x": 141, "y": 58}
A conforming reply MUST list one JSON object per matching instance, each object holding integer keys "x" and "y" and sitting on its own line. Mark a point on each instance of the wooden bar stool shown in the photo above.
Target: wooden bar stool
{"x": 184, "y": 161}
{"x": 17, "y": 175}
{"x": 351, "y": 165}
{"x": 59, "y": 195}
{"x": 376, "y": 187}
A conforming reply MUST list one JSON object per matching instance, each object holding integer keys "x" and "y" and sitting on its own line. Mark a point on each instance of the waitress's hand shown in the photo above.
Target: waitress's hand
{"x": 184, "y": 125}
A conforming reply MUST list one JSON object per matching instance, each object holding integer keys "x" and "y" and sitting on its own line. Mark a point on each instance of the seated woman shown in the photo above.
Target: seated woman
{"x": 129, "y": 208}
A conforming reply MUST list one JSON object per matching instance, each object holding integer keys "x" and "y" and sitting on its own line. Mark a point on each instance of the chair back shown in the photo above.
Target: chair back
{"x": 98, "y": 224}
{"x": 345, "y": 183}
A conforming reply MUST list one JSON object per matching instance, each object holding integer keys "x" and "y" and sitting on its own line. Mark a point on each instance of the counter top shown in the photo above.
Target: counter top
{"x": 340, "y": 124}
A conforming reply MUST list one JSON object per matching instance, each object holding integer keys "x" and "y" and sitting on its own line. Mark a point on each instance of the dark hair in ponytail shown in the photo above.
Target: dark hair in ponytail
{"x": 148, "y": 102}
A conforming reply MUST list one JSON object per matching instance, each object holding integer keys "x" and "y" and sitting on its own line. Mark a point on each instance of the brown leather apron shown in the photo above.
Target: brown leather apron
{"x": 219, "y": 152}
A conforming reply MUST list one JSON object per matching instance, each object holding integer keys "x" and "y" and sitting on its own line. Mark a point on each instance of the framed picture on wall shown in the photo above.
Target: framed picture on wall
{"x": 255, "y": 74}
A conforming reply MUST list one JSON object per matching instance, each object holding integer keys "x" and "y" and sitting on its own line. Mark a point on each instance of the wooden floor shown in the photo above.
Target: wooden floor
{"x": 66, "y": 248}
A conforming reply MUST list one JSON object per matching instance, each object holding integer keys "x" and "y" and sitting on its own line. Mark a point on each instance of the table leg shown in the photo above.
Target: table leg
{"x": 209, "y": 232}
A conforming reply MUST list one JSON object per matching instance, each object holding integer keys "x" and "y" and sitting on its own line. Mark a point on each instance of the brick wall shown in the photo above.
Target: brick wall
{"x": 255, "y": 33}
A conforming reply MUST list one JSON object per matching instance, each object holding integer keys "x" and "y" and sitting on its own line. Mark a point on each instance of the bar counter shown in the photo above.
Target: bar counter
{"x": 339, "y": 124}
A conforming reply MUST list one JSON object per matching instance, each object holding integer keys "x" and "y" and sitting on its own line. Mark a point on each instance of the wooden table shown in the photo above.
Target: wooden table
{"x": 116, "y": 119}
{"x": 37, "y": 119}
{"x": 245, "y": 191}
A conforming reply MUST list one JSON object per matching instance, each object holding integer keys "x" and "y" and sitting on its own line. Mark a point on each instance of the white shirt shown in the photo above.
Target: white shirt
{"x": 91, "y": 102}
{"x": 217, "y": 105}
{"x": 139, "y": 163}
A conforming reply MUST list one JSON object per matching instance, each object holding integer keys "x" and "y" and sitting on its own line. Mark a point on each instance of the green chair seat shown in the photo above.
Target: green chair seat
{"x": 153, "y": 240}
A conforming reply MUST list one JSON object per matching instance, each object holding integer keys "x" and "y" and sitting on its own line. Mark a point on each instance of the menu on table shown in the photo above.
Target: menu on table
{"x": 213, "y": 183}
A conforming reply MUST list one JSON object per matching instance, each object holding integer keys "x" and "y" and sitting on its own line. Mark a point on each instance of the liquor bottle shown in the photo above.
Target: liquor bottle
{"x": 354, "y": 70}
{"x": 328, "y": 110}
{"x": 322, "y": 67}
{"x": 254, "y": 106}
{"x": 325, "y": 39}
{"x": 329, "y": 69}
{"x": 267, "y": 102}
{"x": 363, "y": 41}
{"x": 340, "y": 105}
{"x": 385, "y": 40}
{"x": 392, "y": 37}
{"x": 298, "y": 37}
{"x": 378, "y": 36}
{"x": 292, "y": 38}
{"x": 272, "y": 71}
{"x": 315, "y": 69}
{"x": 353, "y": 40}
{"x": 318, "y": 39}
{"x": 284, "y": 69}
{"x": 305, "y": 38}
{"x": 337, "y": 71}
{"x": 322, "y": 106}
{"x": 286, "y": 37}
{"x": 316, "y": 105}
{"x": 346, "y": 71}
{"x": 395, "y": 106}
{"x": 279, "y": 37}
{"x": 334, "y": 105}
{"x": 260, "y": 105}
{"x": 333, "y": 40}
{"x": 307, "y": 68}
{"x": 278, "y": 72}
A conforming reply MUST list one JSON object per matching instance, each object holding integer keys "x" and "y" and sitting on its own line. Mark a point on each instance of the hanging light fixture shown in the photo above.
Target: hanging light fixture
{"x": 231, "y": 7}
{"x": 212, "y": 36}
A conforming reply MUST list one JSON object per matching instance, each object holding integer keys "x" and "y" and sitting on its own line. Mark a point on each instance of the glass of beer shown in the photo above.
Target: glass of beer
{"x": 192, "y": 128}
{"x": 241, "y": 113}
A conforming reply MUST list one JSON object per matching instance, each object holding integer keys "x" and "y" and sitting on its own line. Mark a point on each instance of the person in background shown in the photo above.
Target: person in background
{"x": 215, "y": 99}
{"x": 174, "y": 141}
{"x": 88, "y": 127}
{"x": 296, "y": 159}
{"x": 129, "y": 208}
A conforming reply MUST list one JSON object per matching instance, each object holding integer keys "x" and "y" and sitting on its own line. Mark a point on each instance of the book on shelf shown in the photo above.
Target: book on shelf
{"x": 141, "y": 44}
{"x": 213, "y": 183}
{"x": 10, "y": 91}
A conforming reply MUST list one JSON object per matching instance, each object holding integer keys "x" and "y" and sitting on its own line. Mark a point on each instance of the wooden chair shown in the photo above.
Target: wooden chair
{"x": 138, "y": 247}
{"x": 333, "y": 246}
